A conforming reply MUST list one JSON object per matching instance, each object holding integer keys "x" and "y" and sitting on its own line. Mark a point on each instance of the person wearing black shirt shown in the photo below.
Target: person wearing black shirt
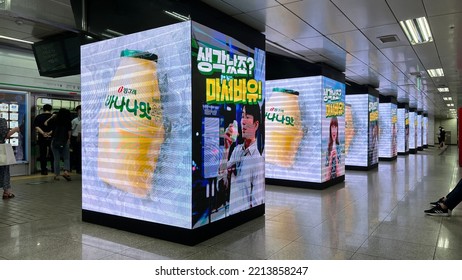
{"x": 44, "y": 138}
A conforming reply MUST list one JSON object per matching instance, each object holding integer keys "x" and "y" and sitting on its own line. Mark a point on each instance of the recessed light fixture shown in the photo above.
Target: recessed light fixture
{"x": 443, "y": 89}
{"x": 417, "y": 30}
{"x": 16, "y": 40}
{"x": 450, "y": 105}
{"x": 447, "y": 98}
{"x": 437, "y": 72}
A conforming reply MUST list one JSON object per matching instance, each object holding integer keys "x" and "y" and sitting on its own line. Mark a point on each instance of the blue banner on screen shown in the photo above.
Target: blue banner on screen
{"x": 294, "y": 149}
{"x": 357, "y": 130}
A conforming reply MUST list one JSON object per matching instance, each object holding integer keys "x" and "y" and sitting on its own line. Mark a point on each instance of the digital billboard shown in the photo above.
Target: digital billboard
{"x": 419, "y": 130}
{"x": 136, "y": 126}
{"x": 425, "y": 131}
{"x": 373, "y": 130}
{"x": 356, "y": 130}
{"x": 228, "y": 126}
{"x": 300, "y": 113}
{"x": 403, "y": 130}
{"x": 412, "y": 130}
{"x": 169, "y": 115}
{"x": 388, "y": 130}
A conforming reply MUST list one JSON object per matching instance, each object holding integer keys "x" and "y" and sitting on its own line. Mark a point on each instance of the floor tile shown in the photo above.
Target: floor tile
{"x": 396, "y": 250}
{"x": 302, "y": 251}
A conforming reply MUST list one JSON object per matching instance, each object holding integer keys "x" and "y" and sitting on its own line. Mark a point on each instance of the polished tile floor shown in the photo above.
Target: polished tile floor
{"x": 372, "y": 215}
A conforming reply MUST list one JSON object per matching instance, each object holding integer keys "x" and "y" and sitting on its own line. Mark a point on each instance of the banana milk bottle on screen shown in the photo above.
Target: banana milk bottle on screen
{"x": 130, "y": 125}
{"x": 283, "y": 127}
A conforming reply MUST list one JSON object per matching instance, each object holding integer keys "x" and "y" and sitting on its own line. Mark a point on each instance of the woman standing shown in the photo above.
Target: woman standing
{"x": 5, "y": 169}
{"x": 61, "y": 135}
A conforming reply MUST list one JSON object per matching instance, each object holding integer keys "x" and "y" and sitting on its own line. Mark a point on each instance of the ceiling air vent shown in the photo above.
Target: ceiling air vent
{"x": 389, "y": 38}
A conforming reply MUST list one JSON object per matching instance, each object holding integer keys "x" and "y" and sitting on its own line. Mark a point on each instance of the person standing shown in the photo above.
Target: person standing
{"x": 76, "y": 141}
{"x": 62, "y": 128}
{"x": 44, "y": 138}
{"x": 5, "y": 169}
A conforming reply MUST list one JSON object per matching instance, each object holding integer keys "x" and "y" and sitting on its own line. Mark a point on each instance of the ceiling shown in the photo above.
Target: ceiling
{"x": 341, "y": 33}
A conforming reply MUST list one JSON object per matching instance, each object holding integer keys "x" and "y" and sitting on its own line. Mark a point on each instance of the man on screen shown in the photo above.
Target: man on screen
{"x": 244, "y": 171}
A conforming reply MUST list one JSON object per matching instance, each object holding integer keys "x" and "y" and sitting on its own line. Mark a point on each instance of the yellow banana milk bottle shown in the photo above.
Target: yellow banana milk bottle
{"x": 283, "y": 127}
{"x": 131, "y": 128}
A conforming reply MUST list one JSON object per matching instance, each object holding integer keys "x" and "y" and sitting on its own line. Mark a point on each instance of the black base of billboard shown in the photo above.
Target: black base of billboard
{"x": 171, "y": 233}
{"x": 361, "y": 168}
{"x": 412, "y": 151}
{"x": 388, "y": 159}
{"x": 306, "y": 185}
{"x": 403, "y": 154}
{"x": 419, "y": 148}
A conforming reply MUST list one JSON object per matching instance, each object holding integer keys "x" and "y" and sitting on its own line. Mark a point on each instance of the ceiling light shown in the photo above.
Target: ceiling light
{"x": 450, "y": 105}
{"x": 447, "y": 98}
{"x": 16, "y": 40}
{"x": 177, "y": 15}
{"x": 443, "y": 89}
{"x": 417, "y": 30}
{"x": 438, "y": 72}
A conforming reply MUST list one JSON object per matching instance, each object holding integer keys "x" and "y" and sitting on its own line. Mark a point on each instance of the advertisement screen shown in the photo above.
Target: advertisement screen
{"x": 394, "y": 129}
{"x": 388, "y": 130}
{"x": 356, "y": 129}
{"x": 419, "y": 130}
{"x": 333, "y": 129}
{"x": 425, "y": 131}
{"x": 412, "y": 130}
{"x": 136, "y": 126}
{"x": 373, "y": 151}
{"x": 297, "y": 114}
{"x": 293, "y": 129}
{"x": 403, "y": 130}
{"x": 228, "y": 174}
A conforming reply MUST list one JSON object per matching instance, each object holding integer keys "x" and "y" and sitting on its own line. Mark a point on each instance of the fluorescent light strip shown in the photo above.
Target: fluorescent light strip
{"x": 438, "y": 72}
{"x": 177, "y": 15}
{"x": 16, "y": 40}
{"x": 443, "y": 89}
{"x": 417, "y": 30}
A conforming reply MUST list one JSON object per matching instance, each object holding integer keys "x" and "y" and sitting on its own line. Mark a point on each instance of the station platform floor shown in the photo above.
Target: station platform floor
{"x": 373, "y": 215}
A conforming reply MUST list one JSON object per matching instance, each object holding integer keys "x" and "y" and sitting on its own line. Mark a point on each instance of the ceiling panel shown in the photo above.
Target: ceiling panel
{"x": 407, "y": 9}
{"x": 352, "y": 41}
{"x": 314, "y": 11}
{"x": 442, "y": 7}
{"x": 223, "y": 6}
{"x": 374, "y": 33}
{"x": 284, "y": 21}
{"x": 366, "y": 13}
{"x": 249, "y": 6}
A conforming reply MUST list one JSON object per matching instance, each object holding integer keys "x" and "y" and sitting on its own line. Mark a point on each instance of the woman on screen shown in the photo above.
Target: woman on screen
{"x": 333, "y": 151}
